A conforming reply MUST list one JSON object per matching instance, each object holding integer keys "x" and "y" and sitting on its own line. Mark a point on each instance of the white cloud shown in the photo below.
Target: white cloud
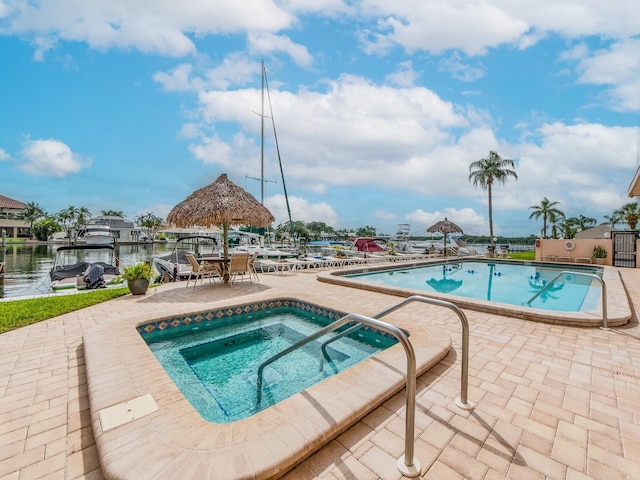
{"x": 617, "y": 67}
{"x": 51, "y": 158}
{"x": 467, "y": 219}
{"x": 4, "y": 156}
{"x": 404, "y": 76}
{"x": 263, "y": 43}
{"x": 471, "y": 27}
{"x": 460, "y": 70}
{"x": 475, "y": 27}
{"x": 301, "y": 210}
{"x": 162, "y": 26}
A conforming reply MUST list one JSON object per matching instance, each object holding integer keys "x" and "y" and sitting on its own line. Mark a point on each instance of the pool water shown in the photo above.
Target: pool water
{"x": 511, "y": 283}
{"x": 215, "y": 365}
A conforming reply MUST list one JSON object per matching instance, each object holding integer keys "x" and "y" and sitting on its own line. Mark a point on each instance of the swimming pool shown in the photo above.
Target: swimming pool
{"x": 215, "y": 364}
{"x": 505, "y": 287}
{"x": 514, "y": 284}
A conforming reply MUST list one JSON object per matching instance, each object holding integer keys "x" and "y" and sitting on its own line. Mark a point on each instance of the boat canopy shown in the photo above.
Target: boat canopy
{"x": 368, "y": 245}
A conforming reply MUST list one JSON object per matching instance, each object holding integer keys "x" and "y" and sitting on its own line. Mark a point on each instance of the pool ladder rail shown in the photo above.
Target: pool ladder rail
{"x": 407, "y": 465}
{"x": 570, "y": 272}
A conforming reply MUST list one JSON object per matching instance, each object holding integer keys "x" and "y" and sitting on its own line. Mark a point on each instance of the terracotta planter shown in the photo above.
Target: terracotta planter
{"x": 599, "y": 261}
{"x": 138, "y": 286}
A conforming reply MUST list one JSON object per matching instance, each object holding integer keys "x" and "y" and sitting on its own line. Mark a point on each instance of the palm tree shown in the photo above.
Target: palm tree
{"x": 545, "y": 210}
{"x": 585, "y": 222}
{"x": 83, "y": 217}
{"x": 556, "y": 219}
{"x": 486, "y": 172}
{"x": 613, "y": 219}
{"x": 32, "y": 213}
{"x": 630, "y": 213}
{"x": 113, "y": 213}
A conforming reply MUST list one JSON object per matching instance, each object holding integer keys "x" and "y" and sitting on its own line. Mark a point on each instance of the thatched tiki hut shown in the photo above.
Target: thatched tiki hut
{"x": 220, "y": 203}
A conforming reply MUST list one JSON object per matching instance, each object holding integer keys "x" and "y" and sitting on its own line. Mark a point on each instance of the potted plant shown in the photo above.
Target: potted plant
{"x": 599, "y": 254}
{"x": 138, "y": 277}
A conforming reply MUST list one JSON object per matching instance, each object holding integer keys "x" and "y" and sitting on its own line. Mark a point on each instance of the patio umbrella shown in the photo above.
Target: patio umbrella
{"x": 445, "y": 227}
{"x": 220, "y": 203}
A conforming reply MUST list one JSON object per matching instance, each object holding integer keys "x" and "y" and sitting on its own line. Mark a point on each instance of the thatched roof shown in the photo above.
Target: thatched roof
{"x": 444, "y": 226}
{"x": 219, "y": 203}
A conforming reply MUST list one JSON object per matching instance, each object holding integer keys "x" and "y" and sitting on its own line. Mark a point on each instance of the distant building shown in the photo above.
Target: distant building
{"x": 12, "y": 218}
{"x": 122, "y": 230}
{"x": 601, "y": 231}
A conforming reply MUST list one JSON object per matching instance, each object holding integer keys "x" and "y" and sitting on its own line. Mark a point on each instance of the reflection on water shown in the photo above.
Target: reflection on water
{"x": 27, "y": 266}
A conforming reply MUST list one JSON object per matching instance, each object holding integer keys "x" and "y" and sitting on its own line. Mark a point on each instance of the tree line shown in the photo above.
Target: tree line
{"x": 563, "y": 226}
{"x": 75, "y": 219}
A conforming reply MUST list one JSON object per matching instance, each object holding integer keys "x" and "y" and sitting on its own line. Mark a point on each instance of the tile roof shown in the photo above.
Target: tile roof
{"x": 6, "y": 202}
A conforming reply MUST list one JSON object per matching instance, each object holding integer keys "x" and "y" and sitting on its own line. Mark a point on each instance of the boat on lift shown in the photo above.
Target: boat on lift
{"x": 85, "y": 267}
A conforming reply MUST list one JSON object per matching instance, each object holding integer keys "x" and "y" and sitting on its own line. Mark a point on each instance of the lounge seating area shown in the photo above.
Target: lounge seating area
{"x": 564, "y": 259}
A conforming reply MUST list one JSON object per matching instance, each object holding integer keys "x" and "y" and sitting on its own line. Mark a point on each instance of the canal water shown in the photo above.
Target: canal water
{"x": 27, "y": 266}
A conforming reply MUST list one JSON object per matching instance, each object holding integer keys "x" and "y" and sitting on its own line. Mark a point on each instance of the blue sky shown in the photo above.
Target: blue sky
{"x": 380, "y": 106}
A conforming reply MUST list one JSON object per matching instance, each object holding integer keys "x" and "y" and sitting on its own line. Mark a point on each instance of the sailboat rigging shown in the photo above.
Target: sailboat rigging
{"x": 265, "y": 88}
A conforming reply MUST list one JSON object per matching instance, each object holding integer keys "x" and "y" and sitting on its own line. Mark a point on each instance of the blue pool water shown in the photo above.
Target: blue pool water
{"x": 215, "y": 364}
{"x": 511, "y": 283}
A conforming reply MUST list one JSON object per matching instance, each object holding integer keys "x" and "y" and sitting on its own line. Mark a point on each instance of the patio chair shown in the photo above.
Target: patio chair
{"x": 239, "y": 266}
{"x": 199, "y": 271}
{"x": 267, "y": 266}
{"x": 253, "y": 271}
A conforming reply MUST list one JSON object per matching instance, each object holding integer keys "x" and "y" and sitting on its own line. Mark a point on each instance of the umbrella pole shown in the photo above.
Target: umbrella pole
{"x": 225, "y": 249}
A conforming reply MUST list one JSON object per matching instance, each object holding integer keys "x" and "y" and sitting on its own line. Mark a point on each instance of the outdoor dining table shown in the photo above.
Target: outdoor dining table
{"x": 221, "y": 264}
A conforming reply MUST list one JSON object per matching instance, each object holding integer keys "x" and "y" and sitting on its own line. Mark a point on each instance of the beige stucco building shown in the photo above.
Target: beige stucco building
{"x": 12, "y": 218}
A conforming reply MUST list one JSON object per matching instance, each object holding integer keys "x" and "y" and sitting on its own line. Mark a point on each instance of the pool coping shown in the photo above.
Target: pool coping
{"x": 176, "y": 442}
{"x": 618, "y": 308}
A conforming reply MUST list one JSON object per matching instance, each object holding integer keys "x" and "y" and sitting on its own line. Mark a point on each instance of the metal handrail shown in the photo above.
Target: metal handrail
{"x": 592, "y": 275}
{"x": 410, "y": 467}
{"x": 462, "y": 401}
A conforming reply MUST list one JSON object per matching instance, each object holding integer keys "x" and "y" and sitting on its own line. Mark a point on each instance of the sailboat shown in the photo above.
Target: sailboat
{"x": 266, "y": 252}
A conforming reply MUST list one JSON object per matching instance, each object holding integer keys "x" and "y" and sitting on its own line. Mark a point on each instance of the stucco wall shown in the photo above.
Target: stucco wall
{"x": 583, "y": 248}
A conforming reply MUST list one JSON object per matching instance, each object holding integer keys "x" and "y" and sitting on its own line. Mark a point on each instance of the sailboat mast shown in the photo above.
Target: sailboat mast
{"x": 275, "y": 135}
{"x": 262, "y": 138}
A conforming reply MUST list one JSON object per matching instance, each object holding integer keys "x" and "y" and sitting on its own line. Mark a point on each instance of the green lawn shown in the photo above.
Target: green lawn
{"x": 20, "y": 313}
{"x": 528, "y": 255}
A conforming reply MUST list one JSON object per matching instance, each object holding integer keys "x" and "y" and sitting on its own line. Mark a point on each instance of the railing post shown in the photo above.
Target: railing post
{"x": 603, "y": 285}
{"x": 462, "y": 401}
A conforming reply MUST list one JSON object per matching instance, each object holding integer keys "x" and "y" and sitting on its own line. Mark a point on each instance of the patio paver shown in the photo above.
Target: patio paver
{"x": 552, "y": 401}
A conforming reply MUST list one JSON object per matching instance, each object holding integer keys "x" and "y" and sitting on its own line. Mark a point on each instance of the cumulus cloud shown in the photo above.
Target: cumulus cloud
{"x": 617, "y": 67}
{"x": 4, "y": 156}
{"x": 162, "y": 27}
{"x": 404, "y": 76}
{"x": 437, "y": 26}
{"x": 51, "y": 158}
{"x": 301, "y": 210}
{"x": 474, "y": 223}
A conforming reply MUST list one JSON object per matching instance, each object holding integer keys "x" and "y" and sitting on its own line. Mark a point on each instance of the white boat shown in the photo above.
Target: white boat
{"x": 175, "y": 265}
{"x": 241, "y": 242}
{"x": 97, "y": 234}
{"x": 84, "y": 267}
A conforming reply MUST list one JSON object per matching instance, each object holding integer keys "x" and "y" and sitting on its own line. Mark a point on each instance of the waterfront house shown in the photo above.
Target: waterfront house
{"x": 12, "y": 218}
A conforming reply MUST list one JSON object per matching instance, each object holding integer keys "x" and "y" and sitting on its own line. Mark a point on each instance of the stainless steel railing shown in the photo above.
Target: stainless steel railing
{"x": 409, "y": 466}
{"x": 592, "y": 275}
{"x": 462, "y": 401}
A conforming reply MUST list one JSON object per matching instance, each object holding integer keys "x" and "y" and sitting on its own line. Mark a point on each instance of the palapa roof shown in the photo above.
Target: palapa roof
{"x": 444, "y": 226}
{"x": 221, "y": 202}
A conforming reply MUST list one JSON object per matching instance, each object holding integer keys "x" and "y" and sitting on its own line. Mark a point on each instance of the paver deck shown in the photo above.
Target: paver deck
{"x": 553, "y": 401}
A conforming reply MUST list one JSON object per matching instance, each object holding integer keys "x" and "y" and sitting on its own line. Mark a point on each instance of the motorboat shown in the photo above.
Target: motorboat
{"x": 97, "y": 233}
{"x": 85, "y": 267}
